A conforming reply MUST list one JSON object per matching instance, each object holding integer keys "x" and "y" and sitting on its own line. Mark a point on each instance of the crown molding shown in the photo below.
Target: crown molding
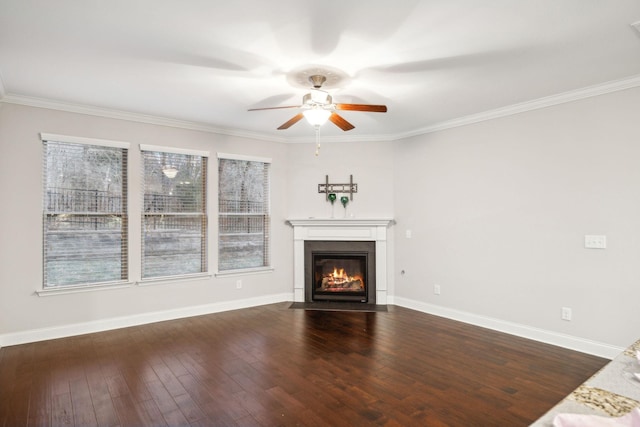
{"x": 536, "y": 104}
{"x": 133, "y": 117}
{"x": 548, "y": 101}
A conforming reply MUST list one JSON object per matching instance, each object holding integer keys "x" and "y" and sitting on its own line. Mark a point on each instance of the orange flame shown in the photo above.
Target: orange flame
{"x": 340, "y": 274}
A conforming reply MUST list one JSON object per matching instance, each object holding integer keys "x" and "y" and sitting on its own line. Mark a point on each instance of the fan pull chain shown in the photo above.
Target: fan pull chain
{"x": 317, "y": 140}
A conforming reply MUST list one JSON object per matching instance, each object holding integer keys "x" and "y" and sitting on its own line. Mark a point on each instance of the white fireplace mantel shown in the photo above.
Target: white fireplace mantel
{"x": 348, "y": 229}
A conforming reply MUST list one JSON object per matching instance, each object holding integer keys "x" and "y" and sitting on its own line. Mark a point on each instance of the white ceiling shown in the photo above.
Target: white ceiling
{"x": 432, "y": 62}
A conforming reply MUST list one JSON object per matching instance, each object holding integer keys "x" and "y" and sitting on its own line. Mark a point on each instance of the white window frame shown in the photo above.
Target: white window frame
{"x": 175, "y": 150}
{"x": 251, "y": 270}
{"x": 124, "y": 214}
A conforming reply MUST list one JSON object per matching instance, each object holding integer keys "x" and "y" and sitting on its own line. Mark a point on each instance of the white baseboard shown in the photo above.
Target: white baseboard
{"x": 549, "y": 337}
{"x": 554, "y": 338}
{"x": 34, "y": 335}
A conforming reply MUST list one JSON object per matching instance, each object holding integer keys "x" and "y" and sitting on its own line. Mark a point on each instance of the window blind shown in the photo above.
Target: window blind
{"x": 174, "y": 217}
{"x": 244, "y": 221}
{"x": 84, "y": 213}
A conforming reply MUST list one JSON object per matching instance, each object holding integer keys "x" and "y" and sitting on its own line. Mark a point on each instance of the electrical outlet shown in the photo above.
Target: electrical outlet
{"x": 595, "y": 242}
{"x": 238, "y": 284}
{"x": 436, "y": 289}
{"x": 566, "y": 313}
{"x": 407, "y": 234}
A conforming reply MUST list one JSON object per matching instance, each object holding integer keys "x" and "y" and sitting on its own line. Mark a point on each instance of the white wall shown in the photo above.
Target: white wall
{"x": 21, "y": 227}
{"x": 370, "y": 163}
{"x": 498, "y": 212}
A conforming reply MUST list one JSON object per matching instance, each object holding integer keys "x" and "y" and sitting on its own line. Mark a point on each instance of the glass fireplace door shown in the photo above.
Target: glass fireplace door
{"x": 339, "y": 276}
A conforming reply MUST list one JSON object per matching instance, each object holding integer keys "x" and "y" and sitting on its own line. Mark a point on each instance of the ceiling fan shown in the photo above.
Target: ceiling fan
{"x": 318, "y": 107}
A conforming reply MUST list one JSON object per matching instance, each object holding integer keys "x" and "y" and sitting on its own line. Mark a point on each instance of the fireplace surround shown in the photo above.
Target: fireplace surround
{"x": 362, "y": 235}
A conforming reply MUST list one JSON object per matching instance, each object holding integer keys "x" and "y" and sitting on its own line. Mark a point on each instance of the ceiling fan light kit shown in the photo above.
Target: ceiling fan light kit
{"x": 316, "y": 115}
{"x": 318, "y": 107}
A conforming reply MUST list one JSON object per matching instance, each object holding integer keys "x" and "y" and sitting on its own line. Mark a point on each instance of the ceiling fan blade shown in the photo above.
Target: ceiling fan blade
{"x": 295, "y": 119}
{"x": 340, "y": 122}
{"x": 273, "y": 108}
{"x": 362, "y": 107}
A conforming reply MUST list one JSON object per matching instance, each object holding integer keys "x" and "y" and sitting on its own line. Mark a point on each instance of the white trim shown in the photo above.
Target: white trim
{"x": 243, "y": 157}
{"x": 535, "y": 104}
{"x": 174, "y": 150}
{"x": 63, "y": 331}
{"x": 75, "y": 289}
{"x": 82, "y": 140}
{"x": 567, "y": 341}
{"x": 554, "y": 338}
{"x": 338, "y": 222}
{"x": 132, "y": 117}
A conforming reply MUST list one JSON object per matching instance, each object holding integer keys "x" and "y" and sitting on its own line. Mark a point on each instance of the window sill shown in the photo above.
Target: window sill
{"x": 63, "y": 290}
{"x": 244, "y": 272}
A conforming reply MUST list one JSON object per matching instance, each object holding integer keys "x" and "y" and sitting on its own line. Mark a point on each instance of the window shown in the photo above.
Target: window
{"x": 84, "y": 211}
{"x": 174, "y": 217}
{"x": 243, "y": 209}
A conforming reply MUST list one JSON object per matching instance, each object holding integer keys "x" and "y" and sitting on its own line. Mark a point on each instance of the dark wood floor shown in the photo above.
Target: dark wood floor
{"x": 271, "y": 365}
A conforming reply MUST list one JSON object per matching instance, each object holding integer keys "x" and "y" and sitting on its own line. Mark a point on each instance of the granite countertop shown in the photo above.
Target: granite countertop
{"x": 612, "y": 392}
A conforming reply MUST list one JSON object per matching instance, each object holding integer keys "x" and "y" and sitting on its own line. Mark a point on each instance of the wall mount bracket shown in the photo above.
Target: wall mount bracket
{"x": 327, "y": 188}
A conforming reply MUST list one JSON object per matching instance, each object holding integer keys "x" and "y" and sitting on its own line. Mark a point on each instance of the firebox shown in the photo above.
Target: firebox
{"x": 340, "y": 271}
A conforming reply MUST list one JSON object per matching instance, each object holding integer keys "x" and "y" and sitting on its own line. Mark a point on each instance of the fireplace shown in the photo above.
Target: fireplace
{"x": 340, "y": 271}
{"x": 335, "y": 237}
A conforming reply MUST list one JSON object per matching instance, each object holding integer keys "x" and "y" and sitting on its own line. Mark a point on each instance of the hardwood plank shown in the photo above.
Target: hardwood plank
{"x": 307, "y": 416}
{"x": 83, "y": 410}
{"x": 271, "y": 365}
{"x": 128, "y": 412}
{"x": 61, "y": 410}
{"x": 17, "y": 408}
{"x": 40, "y": 401}
{"x": 106, "y": 415}
{"x": 168, "y": 379}
{"x": 153, "y": 413}
{"x": 167, "y": 405}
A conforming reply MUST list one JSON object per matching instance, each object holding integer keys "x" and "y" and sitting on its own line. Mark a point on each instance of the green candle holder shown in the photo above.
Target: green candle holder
{"x": 332, "y": 197}
{"x": 344, "y": 200}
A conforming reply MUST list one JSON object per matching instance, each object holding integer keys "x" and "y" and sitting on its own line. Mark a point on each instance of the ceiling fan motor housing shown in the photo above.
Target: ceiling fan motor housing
{"x": 317, "y": 96}
{"x": 317, "y": 80}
